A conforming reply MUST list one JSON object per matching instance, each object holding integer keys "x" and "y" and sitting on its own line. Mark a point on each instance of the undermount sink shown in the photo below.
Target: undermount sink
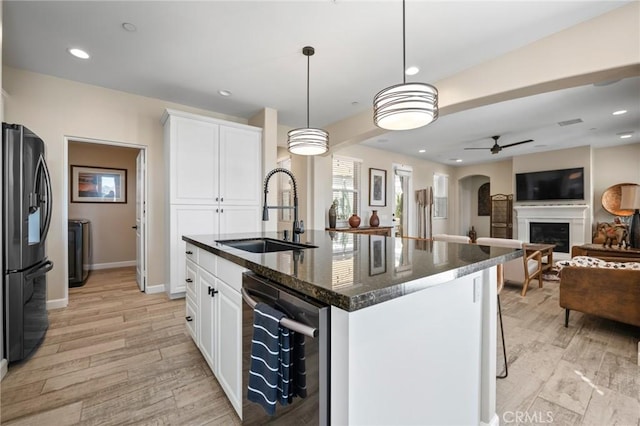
{"x": 264, "y": 245}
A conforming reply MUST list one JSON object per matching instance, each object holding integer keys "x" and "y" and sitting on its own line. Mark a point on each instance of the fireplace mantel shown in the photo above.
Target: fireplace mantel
{"x": 573, "y": 214}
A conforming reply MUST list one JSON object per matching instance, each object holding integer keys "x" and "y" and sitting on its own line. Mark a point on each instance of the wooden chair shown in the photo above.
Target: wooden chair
{"x": 531, "y": 262}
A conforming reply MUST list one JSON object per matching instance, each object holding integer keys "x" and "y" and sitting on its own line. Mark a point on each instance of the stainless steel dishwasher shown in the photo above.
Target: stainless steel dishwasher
{"x": 303, "y": 316}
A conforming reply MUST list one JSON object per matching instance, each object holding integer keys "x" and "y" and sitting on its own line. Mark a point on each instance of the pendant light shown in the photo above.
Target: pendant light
{"x": 408, "y": 105}
{"x": 308, "y": 141}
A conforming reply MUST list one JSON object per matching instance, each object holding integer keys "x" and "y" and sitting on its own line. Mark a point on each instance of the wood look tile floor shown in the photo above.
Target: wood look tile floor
{"x": 117, "y": 356}
{"x": 586, "y": 374}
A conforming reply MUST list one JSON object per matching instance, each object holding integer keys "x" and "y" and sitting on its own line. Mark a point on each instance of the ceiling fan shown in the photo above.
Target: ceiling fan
{"x": 497, "y": 148}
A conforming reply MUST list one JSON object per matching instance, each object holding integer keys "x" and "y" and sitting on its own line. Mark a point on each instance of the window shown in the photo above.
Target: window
{"x": 285, "y": 191}
{"x": 440, "y": 195}
{"x": 346, "y": 187}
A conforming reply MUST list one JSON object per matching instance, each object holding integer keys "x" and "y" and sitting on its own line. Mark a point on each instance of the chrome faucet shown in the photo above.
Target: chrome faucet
{"x": 298, "y": 228}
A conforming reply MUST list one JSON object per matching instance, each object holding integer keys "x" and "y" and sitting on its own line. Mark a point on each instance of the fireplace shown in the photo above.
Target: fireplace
{"x": 550, "y": 233}
{"x": 575, "y": 215}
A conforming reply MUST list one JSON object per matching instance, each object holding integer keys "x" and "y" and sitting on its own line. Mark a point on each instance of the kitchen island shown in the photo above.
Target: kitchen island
{"x": 412, "y": 323}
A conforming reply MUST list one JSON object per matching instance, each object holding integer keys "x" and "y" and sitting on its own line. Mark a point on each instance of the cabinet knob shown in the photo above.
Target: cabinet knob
{"x": 217, "y": 199}
{"x": 221, "y": 198}
{"x": 217, "y": 210}
{"x": 209, "y": 289}
{"x": 189, "y": 319}
{"x": 188, "y": 252}
{"x": 221, "y": 210}
{"x": 189, "y": 280}
{"x": 213, "y": 292}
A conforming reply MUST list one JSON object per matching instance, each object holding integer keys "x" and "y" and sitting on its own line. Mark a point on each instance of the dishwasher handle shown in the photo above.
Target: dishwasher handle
{"x": 286, "y": 322}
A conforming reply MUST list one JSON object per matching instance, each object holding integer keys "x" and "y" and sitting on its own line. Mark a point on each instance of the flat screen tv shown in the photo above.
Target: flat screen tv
{"x": 565, "y": 184}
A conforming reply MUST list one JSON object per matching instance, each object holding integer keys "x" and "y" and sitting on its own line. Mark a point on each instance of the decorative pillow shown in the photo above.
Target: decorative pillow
{"x": 593, "y": 262}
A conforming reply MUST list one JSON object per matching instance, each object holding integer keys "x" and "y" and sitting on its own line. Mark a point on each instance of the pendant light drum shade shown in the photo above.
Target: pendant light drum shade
{"x": 308, "y": 141}
{"x": 405, "y": 106}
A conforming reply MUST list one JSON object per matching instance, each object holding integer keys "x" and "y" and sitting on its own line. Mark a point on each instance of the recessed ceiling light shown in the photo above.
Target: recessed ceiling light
{"x": 620, "y": 112}
{"x": 625, "y": 136}
{"x": 224, "y": 92}
{"x": 412, "y": 70}
{"x": 78, "y": 53}
{"x": 422, "y": 150}
{"x": 458, "y": 160}
{"x": 128, "y": 26}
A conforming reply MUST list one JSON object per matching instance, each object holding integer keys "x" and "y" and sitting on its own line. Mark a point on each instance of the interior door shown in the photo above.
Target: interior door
{"x": 140, "y": 221}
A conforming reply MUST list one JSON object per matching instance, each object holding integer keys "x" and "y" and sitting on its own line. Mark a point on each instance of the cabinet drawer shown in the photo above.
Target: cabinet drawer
{"x": 190, "y": 280}
{"x": 191, "y": 252}
{"x": 207, "y": 261}
{"x": 191, "y": 319}
{"x": 230, "y": 273}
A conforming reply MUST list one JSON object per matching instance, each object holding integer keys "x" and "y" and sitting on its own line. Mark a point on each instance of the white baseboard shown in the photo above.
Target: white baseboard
{"x": 152, "y": 289}
{"x": 4, "y": 368}
{"x": 495, "y": 421}
{"x": 112, "y": 265}
{"x": 57, "y": 303}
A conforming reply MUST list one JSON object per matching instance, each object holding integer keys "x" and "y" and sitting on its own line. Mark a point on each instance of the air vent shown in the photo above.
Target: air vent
{"x": 570, "y": 122}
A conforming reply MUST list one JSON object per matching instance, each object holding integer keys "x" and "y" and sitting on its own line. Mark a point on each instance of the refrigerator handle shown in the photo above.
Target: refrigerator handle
{"x": 47, "y": 196}
{"x": 42, "y": 269}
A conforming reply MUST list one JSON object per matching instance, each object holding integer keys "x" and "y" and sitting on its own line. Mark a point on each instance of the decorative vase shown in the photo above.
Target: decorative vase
{"x": 473, "y": 234}
{"x": 332, "y": 216}
{"x": 354, "y": 221}
{"x": 374, "y": 220}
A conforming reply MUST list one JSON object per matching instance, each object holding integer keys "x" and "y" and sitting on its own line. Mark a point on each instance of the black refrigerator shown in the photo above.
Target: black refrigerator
{"x": 26, "y": 202}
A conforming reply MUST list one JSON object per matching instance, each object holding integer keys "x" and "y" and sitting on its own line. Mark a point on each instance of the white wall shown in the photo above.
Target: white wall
{"x": 54, "y": 109}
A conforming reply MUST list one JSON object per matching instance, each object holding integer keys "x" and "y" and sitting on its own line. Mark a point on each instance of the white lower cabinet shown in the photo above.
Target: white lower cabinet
{"x": 207, "y": 341}
{"x": 230, "y": 343}
{"x": 216, "y": 319}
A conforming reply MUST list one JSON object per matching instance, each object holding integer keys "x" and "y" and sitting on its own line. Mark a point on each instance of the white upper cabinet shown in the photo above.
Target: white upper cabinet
{"x": 240, "y": 166}
{"x": 194, "y": 148}
{"x": 211, "y": 161}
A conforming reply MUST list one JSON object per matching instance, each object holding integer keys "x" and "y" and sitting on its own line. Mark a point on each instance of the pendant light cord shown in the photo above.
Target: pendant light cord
{"x": 404, "y": 48}
{"x": 308, "y": 59}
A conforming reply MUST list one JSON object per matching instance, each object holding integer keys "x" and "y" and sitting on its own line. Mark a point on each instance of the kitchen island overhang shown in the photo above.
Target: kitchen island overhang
{"x": 413, "y": 332}
{"x": 310, "y": 271}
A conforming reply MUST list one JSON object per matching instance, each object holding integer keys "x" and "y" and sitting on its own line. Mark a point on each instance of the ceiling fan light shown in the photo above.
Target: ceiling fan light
{"x": 308, "y": 141}
{"x": 405, "y": 106}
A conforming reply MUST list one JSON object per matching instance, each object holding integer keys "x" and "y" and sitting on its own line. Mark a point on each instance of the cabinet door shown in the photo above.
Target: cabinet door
{"x": 240, "y": 166}
{"x": 208, "y": 317}
{"x": 193, "y": 161}
{"x": 186, "y": 220}
{"x": 229, "y": 369}
{"x": 235, "y": 219}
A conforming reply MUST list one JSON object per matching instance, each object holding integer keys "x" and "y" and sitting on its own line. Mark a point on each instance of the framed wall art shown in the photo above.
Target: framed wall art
{"x": 377, "y": 187}
{"x": 377, "y": 254}
{"x": 98, "y": 185}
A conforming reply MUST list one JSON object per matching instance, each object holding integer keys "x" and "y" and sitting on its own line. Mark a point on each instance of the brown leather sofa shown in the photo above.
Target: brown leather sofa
{"x": 608, "y": 293}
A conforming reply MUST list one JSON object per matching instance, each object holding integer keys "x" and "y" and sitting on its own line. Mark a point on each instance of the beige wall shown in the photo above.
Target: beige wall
{"x": 422, "y": 177}
{"x": 54, "y": 109}
{"x": 468, "y": 196}
{"x": 611, "y": 166}
{"x": 113, "y": 239}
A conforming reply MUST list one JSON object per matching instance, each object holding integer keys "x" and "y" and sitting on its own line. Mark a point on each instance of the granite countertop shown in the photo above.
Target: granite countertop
{"x": 353, "y": 271}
